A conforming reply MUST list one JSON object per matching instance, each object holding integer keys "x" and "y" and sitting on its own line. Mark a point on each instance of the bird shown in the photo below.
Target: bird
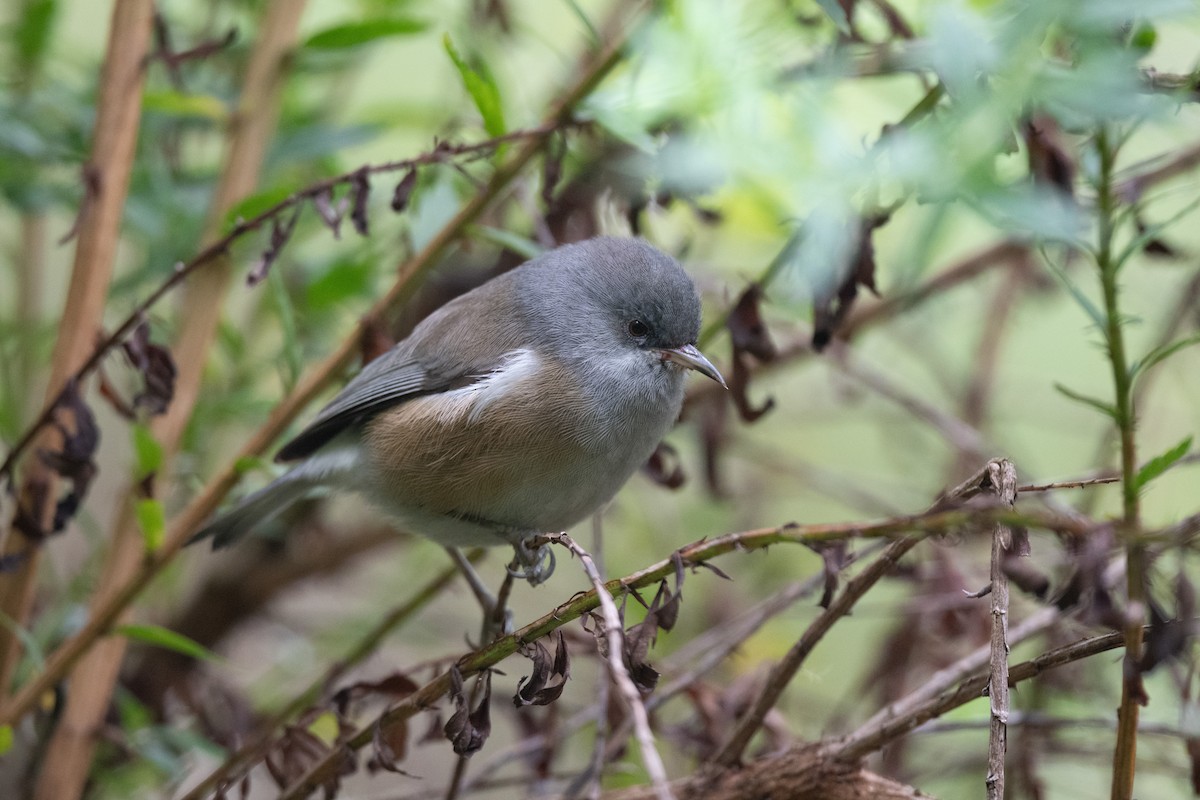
{"x": 516, "y": 409}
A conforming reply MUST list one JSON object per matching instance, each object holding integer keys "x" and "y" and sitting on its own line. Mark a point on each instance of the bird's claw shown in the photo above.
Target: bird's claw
{"x": 535, "y": 565}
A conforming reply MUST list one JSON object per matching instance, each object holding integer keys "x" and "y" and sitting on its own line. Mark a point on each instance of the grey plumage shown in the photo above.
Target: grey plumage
{"x": 519, "y": 407}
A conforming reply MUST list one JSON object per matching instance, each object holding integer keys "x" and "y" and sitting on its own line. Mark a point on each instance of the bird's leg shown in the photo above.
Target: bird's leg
{"x": 497, "y": 619}
{"x": 534, "y": 564}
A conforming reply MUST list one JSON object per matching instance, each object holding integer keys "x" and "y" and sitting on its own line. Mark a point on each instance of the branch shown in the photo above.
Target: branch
{"x": 614, "y": 630}
{"x": 1003, "y": 479}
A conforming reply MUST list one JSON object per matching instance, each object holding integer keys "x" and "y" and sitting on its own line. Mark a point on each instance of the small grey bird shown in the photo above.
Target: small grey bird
{"x": 519, "y": 408}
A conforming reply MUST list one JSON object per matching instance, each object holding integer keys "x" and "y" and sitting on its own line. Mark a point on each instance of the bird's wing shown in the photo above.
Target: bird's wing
{"x": 453, "y": 347}
{"x": 386, "y": 381}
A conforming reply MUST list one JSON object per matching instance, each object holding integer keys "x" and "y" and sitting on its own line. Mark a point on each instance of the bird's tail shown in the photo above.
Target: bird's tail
{"x": 324, "y": 470}
{"x": 253, "y": 510}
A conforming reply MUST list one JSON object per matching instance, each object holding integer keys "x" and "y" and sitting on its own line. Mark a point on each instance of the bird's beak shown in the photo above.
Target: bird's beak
{"x": 692, "y": 358}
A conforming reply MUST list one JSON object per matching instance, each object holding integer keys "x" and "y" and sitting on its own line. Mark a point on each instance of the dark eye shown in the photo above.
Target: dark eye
{"x": 638, "y": 329}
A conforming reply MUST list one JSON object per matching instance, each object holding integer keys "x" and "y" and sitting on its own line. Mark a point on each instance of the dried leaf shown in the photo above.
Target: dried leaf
{"x": 750, "y": 339}
{"x": 390, "y": 747}
{"x": 664, "y": 467}
{"x": 74, "y": 460}
{"x": 833, "y": 558}
{"x": 157, "y": 368}
{"x": 1050, "y": 163}
{"x": 332, "y": 216}
{"x": 549, "y": 679}
{"x": 360, "y": 192}
{"x": 829, "y": 312}
{"x": 468, "y": 730}
{"x": 281, "y": 232}
{"x": 404, "y": 190}
{"x": 297, "y": 750}
{"x": 392, "y": 687}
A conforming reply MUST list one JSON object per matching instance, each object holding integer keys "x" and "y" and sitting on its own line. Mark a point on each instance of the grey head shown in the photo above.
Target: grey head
{"x": 617, "y": 297}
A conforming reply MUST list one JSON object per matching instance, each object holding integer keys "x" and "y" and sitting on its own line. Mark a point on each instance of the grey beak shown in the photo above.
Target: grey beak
{"x": 688, "y": 356}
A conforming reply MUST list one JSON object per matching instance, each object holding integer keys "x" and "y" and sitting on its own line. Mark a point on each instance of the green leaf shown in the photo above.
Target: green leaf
{"x": 1160, "y": 464}
{"x": 158, "y": 636}
{"x": 1086, "y": 304}
{"x": 1107, "y": 409}
{"x": 293, "y": 361}
{"x": 1160, "y": 354}
{"x": 833, "y": 9}
{"x": 346, "y": 279}
{"x": 152, "y": 520}
{"x": 248, "y": 464}
{"x": 526, "y": 248}
{"x": 352, "y": 34}
{"x": 31, "y": 33}
{"x": 325, "y": 728}
{"x": 256, "y": 204}
{"x": 483, "y": 91}
{"x": 6, "y": 738}
{"x": 148, "y": 451}
{"x": 186, "y": 105}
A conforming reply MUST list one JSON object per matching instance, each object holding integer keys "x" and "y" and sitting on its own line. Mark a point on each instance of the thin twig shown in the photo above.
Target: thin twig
{"x": 614, "y": 630}
{"x": 1003, "y": 479}
{"x": 873, "y": 735}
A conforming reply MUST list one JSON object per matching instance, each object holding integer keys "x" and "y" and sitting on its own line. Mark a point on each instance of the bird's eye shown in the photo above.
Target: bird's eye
{"x": 638, "y": 329}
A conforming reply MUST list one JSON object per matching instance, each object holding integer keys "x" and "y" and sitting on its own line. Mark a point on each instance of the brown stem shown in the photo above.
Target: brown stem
{"x": 118, "y": 112}
{"x": 1003, "y": 480}
{"x": 69, "y": 755}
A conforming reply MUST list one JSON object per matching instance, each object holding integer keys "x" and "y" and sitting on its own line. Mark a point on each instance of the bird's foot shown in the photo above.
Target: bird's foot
{"x": 534, "y": 564}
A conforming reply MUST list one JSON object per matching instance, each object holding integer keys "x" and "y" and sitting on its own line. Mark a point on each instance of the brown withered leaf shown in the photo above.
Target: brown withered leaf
{"x": 1169, "y": 637}
{"x": 296, "y": 751}
{"x": 392, "y": 687}
{"x": 404, "y": 190}
{"x": 389, "y": 748}
{"x": 751, "y": 340}
{"x": 73, "y": 461}
{"x": 468, "y": 730}
{"x": 360, "y": 192}
{"x": 833, "y": 558}
{"x": 157, "y": 368}
{"x": 1050, "y": 163}
{"x": 330, "y": 214}
{"x": 829, "y": 312}
{"x": 549, "y": 677}
{"x": 664, "y": 467}
{"x": 281, "y": 232}
{"x": 1156, "y": 246}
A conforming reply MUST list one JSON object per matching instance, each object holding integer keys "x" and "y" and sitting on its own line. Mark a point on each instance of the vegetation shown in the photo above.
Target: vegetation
{"x": 948, "y": 265}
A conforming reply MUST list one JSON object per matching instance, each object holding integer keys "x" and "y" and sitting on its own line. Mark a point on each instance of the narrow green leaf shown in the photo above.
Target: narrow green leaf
{"x": 159, "y": 636}
{"x": 31, "y": 33}
{"x": 293, "y": 361}
{"x": 833, "y": 9}
{"x": 248, "y": 464}
{"x": 1107, "y": 409}
{"x": 526, "y": 248}
{"x": 148, "y": 451}
{"x": 1160, "y": 464}
{"x": 153, "y": 522}
{"x": 186, "y": 106}
{"x": 352, "y": 34}
{"x": 1160, "y": 354}
{"x": 6, "y": 738}
{"x": 483, "y": 91}
{"x": 1086, "y": 304}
